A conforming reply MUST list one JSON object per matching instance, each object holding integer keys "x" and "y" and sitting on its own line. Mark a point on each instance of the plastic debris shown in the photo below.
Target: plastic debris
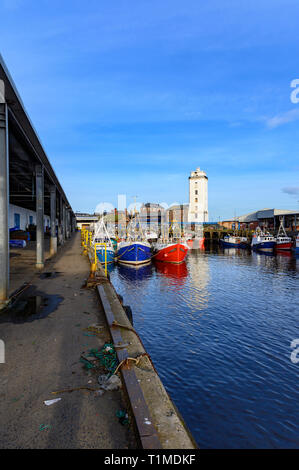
{"x": 106, "y": 356}
{"x": 123, "y": 417}
{"x": 51, "y": 402}
{"x": 94, "y": 328}
{"x": 109, "y": 383}
{"x": 102, "y": 379}
{"x": 88, "y": 364}
{"x": 43, "y": 427}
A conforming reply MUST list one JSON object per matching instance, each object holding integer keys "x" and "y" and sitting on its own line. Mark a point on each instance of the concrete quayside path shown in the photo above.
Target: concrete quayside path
{"x": 42, "y": 355}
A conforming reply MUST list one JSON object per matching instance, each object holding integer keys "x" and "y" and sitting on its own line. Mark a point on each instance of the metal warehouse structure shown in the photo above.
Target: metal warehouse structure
{"x": 27, "y": 180}
{"x": 85, "y": 220}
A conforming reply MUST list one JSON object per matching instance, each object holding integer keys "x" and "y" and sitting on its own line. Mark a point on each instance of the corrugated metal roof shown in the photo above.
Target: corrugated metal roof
{"x": 17, "y": 109}
{"x": 264, "y": 214}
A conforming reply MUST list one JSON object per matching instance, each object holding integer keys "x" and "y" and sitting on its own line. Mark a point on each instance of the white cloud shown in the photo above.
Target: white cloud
{"x": 291, "y": 190}
{"x": 283, "y": 118}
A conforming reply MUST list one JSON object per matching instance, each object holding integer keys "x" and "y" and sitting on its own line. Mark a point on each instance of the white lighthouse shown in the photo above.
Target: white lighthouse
{"x": 198, "y": 196}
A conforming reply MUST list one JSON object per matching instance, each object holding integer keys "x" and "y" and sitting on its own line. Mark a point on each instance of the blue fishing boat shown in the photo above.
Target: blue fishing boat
{"x": 134, "y": 252}
{"x": 103, "y": 244}
{"x": 108, "y": 257}
{"x": 231, "y": 241}
{"x": 263, "y": 241}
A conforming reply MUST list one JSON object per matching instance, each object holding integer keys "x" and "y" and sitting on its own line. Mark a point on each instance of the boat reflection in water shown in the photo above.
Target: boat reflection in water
{"x": 285, "y": 261}
{"x": 175, "y": 271}
{"x": 231, "y": 251}
{"x": 135, "y": 273}
{"x": 110, "y": 267}
{"x": 260, "y": 256}
{"x": 284, "y": 254}
{"x": 281, "y": 262}
{"x": 240, "y": 252}
{"x": 198, "y": 281}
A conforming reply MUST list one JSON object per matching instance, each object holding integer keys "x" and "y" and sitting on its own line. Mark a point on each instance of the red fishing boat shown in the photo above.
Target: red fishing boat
{"x": 283, "y": 242}
{"x": 170, "y": 252}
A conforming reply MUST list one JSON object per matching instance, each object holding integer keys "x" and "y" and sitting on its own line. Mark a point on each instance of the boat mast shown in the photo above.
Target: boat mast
{"x": 281, "y": 229}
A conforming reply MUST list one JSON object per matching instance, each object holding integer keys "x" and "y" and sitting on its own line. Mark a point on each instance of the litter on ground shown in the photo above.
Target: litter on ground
{"x": 51, "y": 402}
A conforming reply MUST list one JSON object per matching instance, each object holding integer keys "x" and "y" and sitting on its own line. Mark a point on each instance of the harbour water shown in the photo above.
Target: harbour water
{"x": 218, "y": 328}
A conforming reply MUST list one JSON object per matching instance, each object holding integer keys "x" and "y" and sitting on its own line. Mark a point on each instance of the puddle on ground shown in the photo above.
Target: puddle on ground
{"x": 30, "y": 306}
{"x": 51, "y": 275}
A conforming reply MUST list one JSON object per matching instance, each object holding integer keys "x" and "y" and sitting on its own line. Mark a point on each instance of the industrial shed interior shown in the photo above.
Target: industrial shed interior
{"x": 31, "y": 197}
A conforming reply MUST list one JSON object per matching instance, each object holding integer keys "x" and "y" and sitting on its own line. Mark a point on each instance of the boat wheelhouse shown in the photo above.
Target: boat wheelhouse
{"x": 263, "y": 241}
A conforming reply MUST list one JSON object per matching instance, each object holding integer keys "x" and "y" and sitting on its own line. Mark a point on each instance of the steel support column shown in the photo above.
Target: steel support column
{"x": 4, "y": 203}
{"x": 67, "y": 223}
{"x": 53, "y": 239}
{"x": 64, "y": 220}
{"x": 40, "y": 255}
{"x": 60, "y": 225}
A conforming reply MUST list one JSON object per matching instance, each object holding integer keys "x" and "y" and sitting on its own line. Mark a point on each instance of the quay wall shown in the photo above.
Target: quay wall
{"x": 169, "y": 425}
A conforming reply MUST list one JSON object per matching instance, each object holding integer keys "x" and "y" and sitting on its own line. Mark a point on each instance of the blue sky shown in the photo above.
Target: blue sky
{"x": 129, "y": 96}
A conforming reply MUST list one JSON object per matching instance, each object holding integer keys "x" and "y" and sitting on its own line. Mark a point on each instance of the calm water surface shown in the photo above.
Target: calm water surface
{"x": 218, "y": 329}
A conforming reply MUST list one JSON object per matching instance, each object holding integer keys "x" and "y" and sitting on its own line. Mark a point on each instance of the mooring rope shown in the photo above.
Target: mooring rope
{"x": 115, "y": 323}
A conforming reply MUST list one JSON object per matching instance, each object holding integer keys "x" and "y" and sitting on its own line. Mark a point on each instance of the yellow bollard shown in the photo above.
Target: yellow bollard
{"x": 85, "y": 243}
{"x": 94, "y": 263}
{"x": 95, "y": 256}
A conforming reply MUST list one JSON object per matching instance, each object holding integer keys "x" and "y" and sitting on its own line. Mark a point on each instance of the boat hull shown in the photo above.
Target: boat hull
{"x": 110, "y": 254}
{"x": 284, "y": 246}
{"x": 174, "y": 253}
{"x": 226, "y": 244}
{"x": 267, "y": 246}
{"x": 134, "y": 253}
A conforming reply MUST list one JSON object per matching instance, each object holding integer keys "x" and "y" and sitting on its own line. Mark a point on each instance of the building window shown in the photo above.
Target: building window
{"x": 30, "y": 219}
{"x": 196, "y": 200}
{"x": 196, "y": 191}
{"x": 196, "y": 216}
